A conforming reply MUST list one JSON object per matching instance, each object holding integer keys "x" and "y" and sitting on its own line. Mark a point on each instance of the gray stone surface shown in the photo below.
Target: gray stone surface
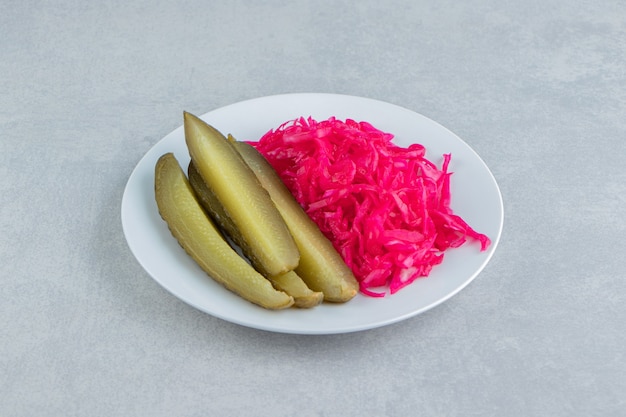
{"x": 536, "y": 88}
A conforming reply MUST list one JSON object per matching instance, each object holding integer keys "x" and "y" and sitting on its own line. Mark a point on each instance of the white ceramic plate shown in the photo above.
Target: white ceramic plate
{"x": 475, "y": 197}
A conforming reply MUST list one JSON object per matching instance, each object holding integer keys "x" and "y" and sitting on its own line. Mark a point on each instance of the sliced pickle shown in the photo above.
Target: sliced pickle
{"x": 212, "y": 206}
{"x": 201, "y": 239}
{"x": 321, "y": 267}
{"x": 288, "y": 282}
{"x": 249, "y": 215}
{"x": 293, "y": 285}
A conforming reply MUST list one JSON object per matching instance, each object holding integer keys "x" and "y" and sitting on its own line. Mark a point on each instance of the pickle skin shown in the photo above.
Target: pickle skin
{"x": 213, "y": 208}
{"x": 201, "y": 239}
{"x": 258, "y": 226}
{"x": 321, "y": 267}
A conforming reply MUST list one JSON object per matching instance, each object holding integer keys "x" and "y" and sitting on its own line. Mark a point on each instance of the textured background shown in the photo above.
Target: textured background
{"x": 535, "y": 87}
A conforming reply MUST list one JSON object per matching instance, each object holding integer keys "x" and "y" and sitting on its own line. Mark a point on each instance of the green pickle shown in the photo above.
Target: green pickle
{"x": 202, "y": 240}
{"x": 320, "y": 267}
{"x": 249, "y": 216}
{"x": 292, "y": 284}
{"x": 288, "y": 282}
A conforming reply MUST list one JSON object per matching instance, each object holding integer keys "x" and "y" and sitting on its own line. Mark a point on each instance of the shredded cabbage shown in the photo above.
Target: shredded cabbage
{"x": 385, "y": 208}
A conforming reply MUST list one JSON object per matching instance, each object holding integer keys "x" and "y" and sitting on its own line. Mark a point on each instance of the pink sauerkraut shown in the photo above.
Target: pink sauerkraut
{"x": 385, "y": 208}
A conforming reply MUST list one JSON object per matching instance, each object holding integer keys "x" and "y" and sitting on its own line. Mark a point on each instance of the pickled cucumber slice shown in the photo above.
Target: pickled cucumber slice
{"x": 293, "y": 285}
{"x": 258, "y": 226}
{"x": 212, "y": 206}
{"x": 200, "y": 238}
{"x": 321, "y": 267}
{"x": 288, "y": 282}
